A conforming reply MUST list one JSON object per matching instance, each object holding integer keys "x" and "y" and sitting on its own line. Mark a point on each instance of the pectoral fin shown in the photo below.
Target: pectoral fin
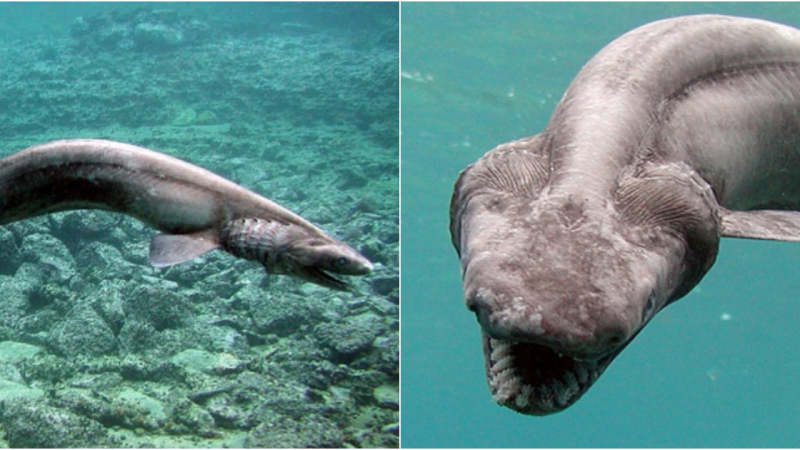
{"x": 765, "y": 224}
{"x": 170, "y": 249}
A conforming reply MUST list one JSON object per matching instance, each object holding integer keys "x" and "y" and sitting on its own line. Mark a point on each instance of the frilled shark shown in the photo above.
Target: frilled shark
{"x": 197, "y": 210}
{"x": 676, "y": 134}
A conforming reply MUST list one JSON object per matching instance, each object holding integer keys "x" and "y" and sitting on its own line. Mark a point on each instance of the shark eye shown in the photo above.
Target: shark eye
{"x": 341, "y": 261}
{"x": 651, "y": 303}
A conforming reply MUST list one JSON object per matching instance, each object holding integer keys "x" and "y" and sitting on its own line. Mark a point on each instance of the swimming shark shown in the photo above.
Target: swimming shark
{"x": 674, "y": 135}
{"x": 197, "y": 210}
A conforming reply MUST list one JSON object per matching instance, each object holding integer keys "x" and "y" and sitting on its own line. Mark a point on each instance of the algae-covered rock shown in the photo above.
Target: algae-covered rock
{"x": 211, "y": 363}
{"x": 88, "y": 403}
{"x": 103, "y": 261}
{"x": 191, "y": 418}
{"x": 14, "y": 305}
{"x": 86, "y": 225}
{"x": 83, "y": 332}
{"x": 10, "y": 257}
{"x": 10, "y": 390}
{"x": 156, "y": 36}
{"x": 49, "y": 252}
{"x": 387, "y": 396}
{"x": 157, "y": 305}
{"x": 374, "y": 428}
{"x": 140, "y": 410}
{"x": 47, "y": 368}
{"x": 280, "y": 314}
{"x": 37, "y": 425}
{"x": 199, "y": 360}
{"x": 350, "y": 337}
{"x": 142, "y": 30}
{"x": 388, "y": 354}
{"x": 138, "y": 336}
{"x": 385, "y": 284}
{"x": 185, "y": 117}
{"x": 109, "y": 302}
{"x": 13, "y": 352}
{"x": 311, "y": 431}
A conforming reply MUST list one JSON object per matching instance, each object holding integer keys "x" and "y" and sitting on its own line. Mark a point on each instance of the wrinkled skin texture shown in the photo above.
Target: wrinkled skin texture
{"x": 570, "y": 241}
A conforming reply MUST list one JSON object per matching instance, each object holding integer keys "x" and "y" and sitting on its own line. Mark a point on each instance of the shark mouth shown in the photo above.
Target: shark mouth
{"x": 321, "y": 277}
{"x": 536, "y": 380}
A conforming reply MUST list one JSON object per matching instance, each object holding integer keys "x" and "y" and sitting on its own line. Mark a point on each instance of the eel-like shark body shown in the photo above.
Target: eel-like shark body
{"x": 197, "y": 210}
{"x": 676, "y": 134}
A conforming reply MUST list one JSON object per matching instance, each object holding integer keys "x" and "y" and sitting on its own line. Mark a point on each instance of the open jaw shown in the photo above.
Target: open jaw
{"x": 534, "y": 379}
{"x": 322, "y": 278}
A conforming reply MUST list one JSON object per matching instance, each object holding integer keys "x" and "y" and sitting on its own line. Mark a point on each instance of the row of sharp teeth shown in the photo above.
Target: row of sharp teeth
{"x": 508, "y": 388}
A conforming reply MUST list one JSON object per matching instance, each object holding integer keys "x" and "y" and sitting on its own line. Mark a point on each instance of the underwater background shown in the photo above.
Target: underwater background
{"x": 719, "y": 368}
{"x": 298, "y": 102}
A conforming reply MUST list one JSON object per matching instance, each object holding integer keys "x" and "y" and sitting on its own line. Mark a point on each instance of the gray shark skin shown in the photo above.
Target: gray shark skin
{"x": 676, "y": 134}
{"x": 197, "y": 210}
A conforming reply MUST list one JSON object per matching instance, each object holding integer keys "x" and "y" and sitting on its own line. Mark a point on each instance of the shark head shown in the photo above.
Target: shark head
{"x": 316, "y": 258}
{"x": 291, "y": 249}
{"x": 560, "y": 281}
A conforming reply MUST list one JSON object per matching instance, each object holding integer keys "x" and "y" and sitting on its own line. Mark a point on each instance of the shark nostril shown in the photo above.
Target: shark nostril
{"x": 612, "y": 338}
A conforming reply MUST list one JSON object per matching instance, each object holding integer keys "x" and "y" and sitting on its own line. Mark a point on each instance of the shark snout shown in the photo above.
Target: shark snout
{"x": 575, "y": 333}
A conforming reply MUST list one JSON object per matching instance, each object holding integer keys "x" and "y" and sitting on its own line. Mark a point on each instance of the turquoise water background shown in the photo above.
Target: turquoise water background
{"x": 719, "y": 368}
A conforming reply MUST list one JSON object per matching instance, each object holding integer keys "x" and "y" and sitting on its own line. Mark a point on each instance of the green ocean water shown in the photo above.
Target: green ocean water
{"x": 297, "y": 102}
{"x": 719, "y": 368}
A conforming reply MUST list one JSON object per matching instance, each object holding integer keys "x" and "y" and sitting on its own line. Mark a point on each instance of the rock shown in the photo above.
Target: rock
{"x": 219, "y": 338}
{"x": 193, "y": 359}
{"x": 137, "y": 336}
{"x": 140, "y": 410}
{"x": 14, "y": 352}
{"x": 103, "y": 262}
{"x": 145, "y": 30}
{"x": 36, "y": 425}
{"x": 87, "y": 225}
{"x": 309, "y": 431}
{"x": 9, "y": 372}
{"x": 154, "y": 36}
{"x": 393, "y": 428}
{"x": 374, "y": 427}
{"x": 316, "y": 373}
{"x": 108, "y": 300}
{"x": 10, "y": 390}
{"x": 388, "y": 349}
{"x": 83, "y": 332}
{"x": 49, "y": 252}
{"x": 87, "y": 403}
{"x": 210, "y": 363}
{"x": 384, "y": 285}
{"x": 279, "y": 314}
{"x": 194, "y": 419}
{"x": 185, "y": 117}
{"x": 97, "y": 382}
{"x": 47, "y": 368}
{"x": 387, "y": 396}
{"x": 154, "y": 304}
{"x": 10, "y": 256}
{"x": 351, "y": 337}
{"x": 14, "y": 305}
